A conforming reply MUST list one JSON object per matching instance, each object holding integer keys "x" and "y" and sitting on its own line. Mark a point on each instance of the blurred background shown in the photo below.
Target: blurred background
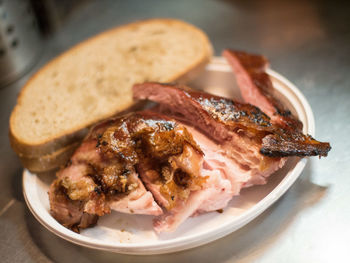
{"x": 307, "y": 41}
{"x": 275, "y": 28}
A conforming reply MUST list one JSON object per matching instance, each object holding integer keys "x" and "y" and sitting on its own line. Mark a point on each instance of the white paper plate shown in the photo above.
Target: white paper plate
{"x": 133, "y": 234}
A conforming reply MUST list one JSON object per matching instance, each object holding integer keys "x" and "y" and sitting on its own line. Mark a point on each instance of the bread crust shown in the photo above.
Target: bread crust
{"x": 51, "y": 161}
{"x": 30, "y": 149}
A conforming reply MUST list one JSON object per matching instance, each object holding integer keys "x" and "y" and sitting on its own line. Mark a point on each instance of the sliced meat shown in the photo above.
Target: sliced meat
{"x": 214, "y": 195}
{"x": 231, "y": 160}
{"x": 219, "y": 157}
{"x": 101, "y": 176}
{"x": 257, "y": 89}
{"x": 174, "y": 184}
{"x": 233, "y": 137}
{"x": 171, "y": 169}
{"x": 242, "y": 125}
{"x": 79, "y": 186}
{"x": 192, "y": 163}
{"x": 68, "y": 212}
{"x": 225, "y": 179}
{"x": 169, "y": 162}
{"x": 138, "y": 201}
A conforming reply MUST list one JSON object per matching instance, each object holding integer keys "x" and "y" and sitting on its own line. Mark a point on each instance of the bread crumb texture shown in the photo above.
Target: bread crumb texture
{"x": 93, "y": 80}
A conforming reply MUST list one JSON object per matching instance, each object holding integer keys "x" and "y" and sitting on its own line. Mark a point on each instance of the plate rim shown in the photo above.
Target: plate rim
{"x": 197, "y": 239}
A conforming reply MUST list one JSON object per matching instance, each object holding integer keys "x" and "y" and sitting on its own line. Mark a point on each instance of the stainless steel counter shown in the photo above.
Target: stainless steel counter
{"x": 306, "y": 41}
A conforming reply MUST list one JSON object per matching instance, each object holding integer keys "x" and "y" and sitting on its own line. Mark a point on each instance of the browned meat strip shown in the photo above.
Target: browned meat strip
{"x": 256, "y": 87}
{"x": 225, "y": 120}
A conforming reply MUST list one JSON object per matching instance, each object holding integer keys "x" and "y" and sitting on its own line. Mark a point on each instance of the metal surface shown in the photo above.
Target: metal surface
{"x": 306, "y": 41}
{"x": 19, "y": 39}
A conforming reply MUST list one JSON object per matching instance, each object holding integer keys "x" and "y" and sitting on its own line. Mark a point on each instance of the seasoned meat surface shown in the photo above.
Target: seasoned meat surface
{"x": 257, "y": 89}
{"x": 68, "y": 212}
{"x": 222, "y": 119}
{"x": 103, "y": 172}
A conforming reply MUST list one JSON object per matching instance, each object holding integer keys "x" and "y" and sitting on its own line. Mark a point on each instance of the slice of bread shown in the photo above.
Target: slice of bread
{"x": 93, "y": 81}
{"x": 49, "y": 162}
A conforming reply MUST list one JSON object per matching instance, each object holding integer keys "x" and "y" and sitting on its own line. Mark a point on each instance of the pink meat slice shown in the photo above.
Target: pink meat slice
{"x": 147, "y": 176}
{"x": 215, "y": 195}
{"x": 68, "y": 212}
{"x": 225, "y": 179}
{"x": 80, "y": 204}
{"x": 230, "y": 162}
{"x": 191, "y": 162}
{"x": 139, "y": 201}
{"x": 219, "y": 157}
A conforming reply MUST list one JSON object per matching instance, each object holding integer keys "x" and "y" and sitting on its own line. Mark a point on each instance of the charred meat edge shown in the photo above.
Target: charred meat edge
{"x": 213, "y": 112}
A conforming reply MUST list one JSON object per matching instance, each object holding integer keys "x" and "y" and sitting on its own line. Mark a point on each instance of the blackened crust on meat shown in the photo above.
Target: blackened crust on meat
{"x": 217, "y": 116}
{"x": 228, "y": 111}
{"x": 204, "y": 110}
{"x": 254, "y": 82}
{"x": 277, "y": 146}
